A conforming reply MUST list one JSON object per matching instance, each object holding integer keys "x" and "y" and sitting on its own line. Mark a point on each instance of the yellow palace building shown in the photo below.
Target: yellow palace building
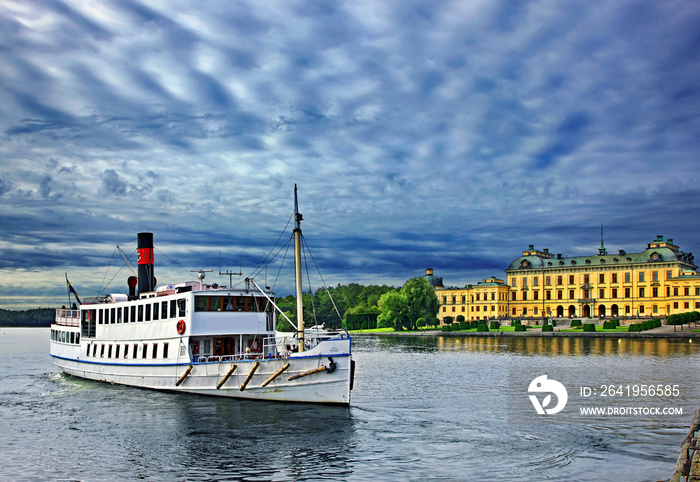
{"x": 657, "y": 282}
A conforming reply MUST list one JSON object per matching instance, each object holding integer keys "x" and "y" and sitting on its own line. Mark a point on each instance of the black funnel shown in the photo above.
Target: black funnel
{"x": 147, "y": 280}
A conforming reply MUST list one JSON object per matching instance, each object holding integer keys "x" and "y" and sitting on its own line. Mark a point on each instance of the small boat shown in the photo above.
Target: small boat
{"x": 204, "y": 339}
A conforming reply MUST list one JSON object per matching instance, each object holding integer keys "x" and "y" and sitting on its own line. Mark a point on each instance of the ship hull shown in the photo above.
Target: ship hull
{"x": 324, "y": 375}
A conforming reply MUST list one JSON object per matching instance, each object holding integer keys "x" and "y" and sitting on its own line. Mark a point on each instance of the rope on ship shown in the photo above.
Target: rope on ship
{"x": 226, "y": 377}
{"x": 274, "y": 375}
{"x": 250, "y": 375}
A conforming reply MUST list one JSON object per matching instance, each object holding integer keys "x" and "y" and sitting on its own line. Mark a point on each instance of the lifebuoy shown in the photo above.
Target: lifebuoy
{"x": 255, "y": 345}
{"x": 181, "y": 326}
{"x": 195, "y": 347}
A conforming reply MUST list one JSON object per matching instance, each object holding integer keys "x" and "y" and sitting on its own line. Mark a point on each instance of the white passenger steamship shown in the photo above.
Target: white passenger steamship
{"x": 198, "y": 338}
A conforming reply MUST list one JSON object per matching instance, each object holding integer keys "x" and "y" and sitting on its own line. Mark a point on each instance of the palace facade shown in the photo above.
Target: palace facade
{"x": 657, "y": 282}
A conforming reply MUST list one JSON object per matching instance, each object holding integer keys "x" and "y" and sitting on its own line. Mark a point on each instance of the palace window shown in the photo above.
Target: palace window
{"x": 627, "y": 292}
{"x": 675, "y": 305}
{"x": 614, "y": 293}
{"x": 655, "y": 292}
{"x": 601, "y": 293}
{"x": 614, "y": 277}
{"x": 686, "y": 305}
{"x": 571, "y": 294}
{"x": 669, "y": 274}
{"x": 536, "y": 281}
{"x": 601, "y": 278}
{"x": 697, "y": 291}
{"x": 560, "y": 280}
{"x": 514, "y": 282}
{"x": 524, "y": 282}
{"x": 548, "y": 280}
{"x": 641, "y": 292}
{"x": 655, "y": 276}
{"x": 493, "y": 296}
{"x": 668, "y": 291}
{"x": 586, "y": 279}
{"x": 675, "y": 291}
{"x": 571, "y": 279}
{"x": 627, "y": 277}
{"x": 512, "y": 296}
{"x": 641, "y": 276}
{"x": 524, "y": 295}
{"x": 560, "y": 294}
{"x": 536, "y": 311}
{"x": 536, "y": 295}
{"x": 548, "y": 295}
{"x": 686, "y": 291}
{"x": 478, "y": 297}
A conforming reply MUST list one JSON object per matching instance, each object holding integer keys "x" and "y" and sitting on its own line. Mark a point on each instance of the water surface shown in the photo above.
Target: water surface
{"x": 421, "y": 408}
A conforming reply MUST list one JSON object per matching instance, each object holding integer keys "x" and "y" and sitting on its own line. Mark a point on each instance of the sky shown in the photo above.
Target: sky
{"x": 442, "y": 134}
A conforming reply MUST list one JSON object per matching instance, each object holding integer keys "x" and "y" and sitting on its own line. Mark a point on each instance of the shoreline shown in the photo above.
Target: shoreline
{"x": 548, "y": 334}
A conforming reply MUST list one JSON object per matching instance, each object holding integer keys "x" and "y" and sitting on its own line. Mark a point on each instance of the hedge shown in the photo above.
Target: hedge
{"x": 455, "y": 327}
{"x": 588, "y": 327}
{"x": 575, "y": 323}
{"x": 547, "y": 328}
{"x": 482, "y": 327}
{"x": 520, "y": 327}
{"x": 495, "y": 325}
{"x": 464, "y": 325}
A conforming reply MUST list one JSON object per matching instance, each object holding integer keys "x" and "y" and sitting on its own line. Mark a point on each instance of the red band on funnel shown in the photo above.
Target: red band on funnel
{"x": 145, "y": 256}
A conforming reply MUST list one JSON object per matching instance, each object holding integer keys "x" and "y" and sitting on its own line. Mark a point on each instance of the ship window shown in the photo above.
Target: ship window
{"x": 94, "y": 350}
{"x": 72, "y": 337}
{"x": 155, "y": 312}
{"x": 165, "y": 350}
{"x": 99, "y": 317}
{"x": 200, "y": 303}
{"x": 136, "y": 351}
{"x": 206, "y": 347}
{"x": 87, "y": 353}
{"x": 109, "y": 352}
{"x": 126, "y": 314}
{"x": 229, "y": 303}
{"x": 145, "y": 350}
{"x": 116, "y": 353}
{"x": 172, "y": 308}
{"x": 133, "y": 314}
{"x": 155, "y": 350}
{"x": 113, "y": 315}
{"x": 119, "y": 315}
{"x": 140, "y": 318}
{"x": 182, "y": 304}
{"x": 102, "y": 351}
{"x": 126, "y": 351}
{"x": 148, "y": 312}
{"x": 164, "y": 307}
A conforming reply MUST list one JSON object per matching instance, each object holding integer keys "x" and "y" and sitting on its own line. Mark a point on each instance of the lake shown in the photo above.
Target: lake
{"x": 422, "y": 407}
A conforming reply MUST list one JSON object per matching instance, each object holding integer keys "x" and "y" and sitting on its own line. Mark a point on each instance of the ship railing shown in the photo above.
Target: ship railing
{"x": 65, "y": 317}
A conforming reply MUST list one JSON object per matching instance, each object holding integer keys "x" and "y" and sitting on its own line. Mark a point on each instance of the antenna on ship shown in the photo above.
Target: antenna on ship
{"x": 297, "y": 271}
{"x": 229, "y": 273}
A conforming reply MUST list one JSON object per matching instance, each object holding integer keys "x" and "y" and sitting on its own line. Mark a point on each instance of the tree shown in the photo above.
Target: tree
{"x": 394, "y": 310}
{"x": 402, "y": 308}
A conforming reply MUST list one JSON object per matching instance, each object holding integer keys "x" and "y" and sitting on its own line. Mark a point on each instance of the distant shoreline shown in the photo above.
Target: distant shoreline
{"x": 538, "y": 334}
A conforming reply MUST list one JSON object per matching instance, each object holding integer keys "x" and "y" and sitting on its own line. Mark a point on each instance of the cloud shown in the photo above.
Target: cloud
{"x": 446, "y": 133}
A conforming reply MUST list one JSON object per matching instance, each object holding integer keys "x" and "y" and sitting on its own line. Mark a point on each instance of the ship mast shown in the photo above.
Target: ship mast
{"x": 297, "y": 271}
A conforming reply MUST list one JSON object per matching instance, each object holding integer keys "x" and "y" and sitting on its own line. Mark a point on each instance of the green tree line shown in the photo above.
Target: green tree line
{"x": 412, "y": 306}
{"x": 353, "y": 301}
{"x": 32, "y": 317}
